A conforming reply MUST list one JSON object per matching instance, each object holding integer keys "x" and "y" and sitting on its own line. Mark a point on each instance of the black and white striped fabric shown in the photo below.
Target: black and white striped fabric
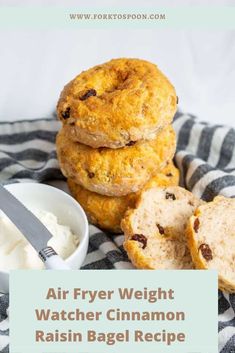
{"x": 205, "y": 156}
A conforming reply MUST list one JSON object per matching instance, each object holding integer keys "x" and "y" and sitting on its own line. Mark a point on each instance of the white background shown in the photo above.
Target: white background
{"x": 35, "y": 65}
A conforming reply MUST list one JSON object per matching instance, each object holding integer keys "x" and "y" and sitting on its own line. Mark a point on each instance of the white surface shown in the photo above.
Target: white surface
{"x": 66, "y": 209}
{"x": 34, "y": 66}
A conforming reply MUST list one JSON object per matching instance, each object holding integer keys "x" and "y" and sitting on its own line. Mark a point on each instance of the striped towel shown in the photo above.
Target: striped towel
{"x": 205, "y": 156}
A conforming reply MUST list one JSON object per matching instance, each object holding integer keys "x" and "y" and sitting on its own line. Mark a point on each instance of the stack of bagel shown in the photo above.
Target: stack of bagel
{"x": 116, "y": 137}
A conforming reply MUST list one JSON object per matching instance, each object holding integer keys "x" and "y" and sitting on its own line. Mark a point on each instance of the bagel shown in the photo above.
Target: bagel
{"x": 117, "y": 103}
{"x": 107, "y": 212}
{"x": 211, "y": 238}
{"x": 155, "y": 228}
{"x": 114, "y": 172}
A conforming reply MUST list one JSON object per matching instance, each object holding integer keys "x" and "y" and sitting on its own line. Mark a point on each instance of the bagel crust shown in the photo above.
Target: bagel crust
{"x": 117, "y": 103}
{"x": 105, "y": 211}
{"x": 114, "y": 172}
{"x": 211, "y": 238}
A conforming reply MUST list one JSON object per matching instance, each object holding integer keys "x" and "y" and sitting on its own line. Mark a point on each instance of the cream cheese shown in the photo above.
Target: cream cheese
{"x": 17, "y": 253}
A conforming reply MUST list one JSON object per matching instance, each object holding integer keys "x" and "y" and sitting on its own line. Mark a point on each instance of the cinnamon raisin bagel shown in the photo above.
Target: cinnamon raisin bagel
{"x": 114, "y": 172}
{"x": 106, "y": 211}
{"x": 117, "y": 103}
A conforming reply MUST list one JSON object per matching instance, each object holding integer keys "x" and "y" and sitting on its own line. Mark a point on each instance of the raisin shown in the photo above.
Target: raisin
{"x": 161, "y": 229}
{"x": 91, "y": 174}
{"x": 131, "y": 143}
{"x": 196, "y": 225}
{"x": 206, "y": 251}
{"x": 89, "y": 93}
{"x": 66, "y": 113}
{"x": 141, "y": 239}
{"x": 169, "y": 175}
{"x": 171, "y": 196}
{"x": 177, "y": 99}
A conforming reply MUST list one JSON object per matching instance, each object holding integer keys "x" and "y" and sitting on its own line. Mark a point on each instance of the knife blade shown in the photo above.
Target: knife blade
{"x": 31, "y": 227}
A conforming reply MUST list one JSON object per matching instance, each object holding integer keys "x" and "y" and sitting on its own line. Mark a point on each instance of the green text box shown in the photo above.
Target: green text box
{"x": 179, "y": 17}
{"x": 175, "y": 311}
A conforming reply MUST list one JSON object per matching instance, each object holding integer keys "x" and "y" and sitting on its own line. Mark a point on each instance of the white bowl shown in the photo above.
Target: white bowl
{"x": 64, "y": 207}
